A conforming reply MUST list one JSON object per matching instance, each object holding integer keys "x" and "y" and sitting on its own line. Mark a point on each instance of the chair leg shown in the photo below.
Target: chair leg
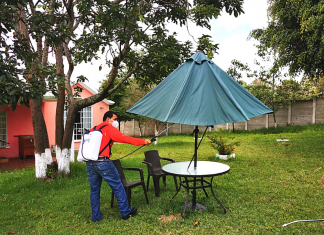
{"x": 129, "y": 195}
{"x": 148, "y": 182}
{"x": 147, "y": 201}
{"x": 112, "y": 199}
{"x": 156, "y": 185}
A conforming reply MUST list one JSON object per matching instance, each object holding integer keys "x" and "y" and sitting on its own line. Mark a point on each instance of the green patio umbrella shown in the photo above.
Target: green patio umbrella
{"x": 199, "y": 93}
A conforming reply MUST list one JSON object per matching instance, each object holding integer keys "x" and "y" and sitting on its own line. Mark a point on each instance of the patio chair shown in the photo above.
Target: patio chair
{"x": 153, "y": 162}
{"x": 128, "y": 185}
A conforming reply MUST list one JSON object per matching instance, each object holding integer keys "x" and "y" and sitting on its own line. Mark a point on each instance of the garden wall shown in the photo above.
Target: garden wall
{"x": 302, "y": 112}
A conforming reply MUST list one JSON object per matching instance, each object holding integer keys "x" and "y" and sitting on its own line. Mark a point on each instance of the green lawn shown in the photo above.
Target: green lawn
{"x": 270, "y": 183}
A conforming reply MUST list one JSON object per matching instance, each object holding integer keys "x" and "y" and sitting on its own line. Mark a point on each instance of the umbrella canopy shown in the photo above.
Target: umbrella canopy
{"x": 199, "y": 93}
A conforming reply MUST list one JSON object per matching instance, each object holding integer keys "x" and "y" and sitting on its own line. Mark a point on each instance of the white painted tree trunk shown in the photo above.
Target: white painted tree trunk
{"x": 72, "y": 152}
{"x": 41, "y": 162}
{"x": 58, "y": 154}
{"x": 64, "y": 160}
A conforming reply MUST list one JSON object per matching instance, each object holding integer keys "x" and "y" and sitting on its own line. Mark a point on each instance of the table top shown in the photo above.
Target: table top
{"x": 203, "y": 169}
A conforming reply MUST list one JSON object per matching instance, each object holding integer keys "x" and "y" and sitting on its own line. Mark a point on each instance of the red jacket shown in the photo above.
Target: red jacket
{"x": 112, "y": 133}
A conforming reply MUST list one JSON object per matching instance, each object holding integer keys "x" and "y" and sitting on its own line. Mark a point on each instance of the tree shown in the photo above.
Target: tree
{"x": 294, "y": 36}
{"x": 267, "y": 86}
{"x": 119, "y": 97}
{"x": 13, "y": 88}
{"x": 115, "y": 28}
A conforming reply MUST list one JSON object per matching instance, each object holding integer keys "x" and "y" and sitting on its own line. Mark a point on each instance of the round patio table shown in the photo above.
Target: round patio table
{"x": 194, "y": 179}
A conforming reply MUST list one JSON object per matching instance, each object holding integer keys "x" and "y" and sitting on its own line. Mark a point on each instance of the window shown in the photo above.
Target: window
{"x": 83, "y": 120}
{"x": 3, "y": 129}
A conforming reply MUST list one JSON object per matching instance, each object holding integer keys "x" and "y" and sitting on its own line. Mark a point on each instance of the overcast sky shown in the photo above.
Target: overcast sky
{"x": 229, "y": 32}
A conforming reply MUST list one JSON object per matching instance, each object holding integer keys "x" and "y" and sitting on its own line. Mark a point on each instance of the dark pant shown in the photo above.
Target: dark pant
{"x": 98, "y": 170}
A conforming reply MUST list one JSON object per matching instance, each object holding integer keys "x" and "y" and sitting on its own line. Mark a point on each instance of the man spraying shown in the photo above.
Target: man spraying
{"x": 104, "y": 168}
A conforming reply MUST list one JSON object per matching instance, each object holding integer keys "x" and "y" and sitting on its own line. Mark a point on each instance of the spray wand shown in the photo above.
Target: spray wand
{"x": 153, "y": 139}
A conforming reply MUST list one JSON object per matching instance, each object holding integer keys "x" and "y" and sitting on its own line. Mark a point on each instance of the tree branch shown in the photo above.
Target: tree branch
{"x": 123, "y": 80}
{"x": 69, "y": 73}
{"x": 105, "y": 91}
{"x": 46, "y": 46}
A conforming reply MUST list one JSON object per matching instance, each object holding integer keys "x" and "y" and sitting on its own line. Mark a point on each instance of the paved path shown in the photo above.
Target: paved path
{"x": 16, "y": 163}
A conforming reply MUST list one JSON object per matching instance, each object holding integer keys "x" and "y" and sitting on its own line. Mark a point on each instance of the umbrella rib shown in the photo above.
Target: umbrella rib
{"x": 221, "y": 83}
{"x": 179, "y": 92}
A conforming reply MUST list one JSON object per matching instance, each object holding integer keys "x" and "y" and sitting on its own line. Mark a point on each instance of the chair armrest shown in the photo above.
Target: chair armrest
{"x": 167, "y": 159}
{"x": 147, "y": 163}
{"x": 135, "y": 169}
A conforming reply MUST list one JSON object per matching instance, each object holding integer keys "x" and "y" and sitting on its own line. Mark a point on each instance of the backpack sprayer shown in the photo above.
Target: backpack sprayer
{"x": 312, "y": 220}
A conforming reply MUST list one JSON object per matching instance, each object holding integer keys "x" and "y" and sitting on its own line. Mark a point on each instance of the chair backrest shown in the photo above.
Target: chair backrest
{"x": 120, "y": 170}
{"x": 153, "y": 157}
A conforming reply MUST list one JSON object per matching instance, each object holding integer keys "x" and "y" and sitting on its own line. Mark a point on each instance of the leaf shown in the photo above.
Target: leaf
{"x": 11, "y": 232}
{"x": 141, "y": 17}
{"x": 196, "y": 223}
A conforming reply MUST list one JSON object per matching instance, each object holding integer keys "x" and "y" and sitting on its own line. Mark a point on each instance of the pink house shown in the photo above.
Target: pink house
{"x": 16, "y": 131}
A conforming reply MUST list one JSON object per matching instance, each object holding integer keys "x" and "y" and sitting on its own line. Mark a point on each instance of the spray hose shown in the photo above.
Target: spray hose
{"x": 153, "y": 139}
{"x": 312, "y": 220}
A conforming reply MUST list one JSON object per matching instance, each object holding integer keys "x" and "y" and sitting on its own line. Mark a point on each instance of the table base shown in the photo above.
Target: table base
{"x": 203, "y": 184}
{"x": 197, "y": 207}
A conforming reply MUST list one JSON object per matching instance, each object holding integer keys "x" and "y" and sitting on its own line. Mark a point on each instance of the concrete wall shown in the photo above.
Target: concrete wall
{"x": 302, "y": 112}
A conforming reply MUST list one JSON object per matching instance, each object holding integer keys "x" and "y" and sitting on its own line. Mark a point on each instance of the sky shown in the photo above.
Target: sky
{"x": 229, "y": 32}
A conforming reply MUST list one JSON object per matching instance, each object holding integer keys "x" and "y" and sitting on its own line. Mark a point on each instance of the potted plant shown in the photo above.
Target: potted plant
{"x": 224, "y": 145}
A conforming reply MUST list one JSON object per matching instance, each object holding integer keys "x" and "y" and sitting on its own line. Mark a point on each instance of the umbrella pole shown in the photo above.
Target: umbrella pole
{"x": 194, "y": 205}
{"x": 194, "y": 193}
{"x": 196, "y": 145}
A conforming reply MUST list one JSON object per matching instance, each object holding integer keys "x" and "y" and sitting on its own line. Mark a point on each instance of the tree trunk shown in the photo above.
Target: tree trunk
{"x": 274, "y": 117}
{"x": 59, "y": 118}
{"x": 65, "y": 153}
{"x": 63, "y": 166}
{"x": 43, "y": 155}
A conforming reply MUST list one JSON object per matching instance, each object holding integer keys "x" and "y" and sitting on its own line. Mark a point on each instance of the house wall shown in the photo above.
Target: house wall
{"x": 49, "y": 112}
{"x": 18, "y": 123}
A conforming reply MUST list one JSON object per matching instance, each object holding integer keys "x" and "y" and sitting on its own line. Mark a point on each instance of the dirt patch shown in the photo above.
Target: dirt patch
{"x": 171, "y": 217}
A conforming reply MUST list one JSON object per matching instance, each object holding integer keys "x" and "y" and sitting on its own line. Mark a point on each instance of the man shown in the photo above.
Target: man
{"x": 105, "y": 169}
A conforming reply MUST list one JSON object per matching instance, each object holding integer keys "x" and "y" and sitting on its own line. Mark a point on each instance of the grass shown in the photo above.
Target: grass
{"x": 270, "y": 183}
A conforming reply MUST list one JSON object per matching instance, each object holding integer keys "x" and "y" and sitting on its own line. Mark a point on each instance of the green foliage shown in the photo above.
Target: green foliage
{"x": 106, "y": 25}
{"x": 19, "y": 60}
{"x": 127, "y": 94}
{"x": 294, "y": 35}
{"x": 224, "y": 145}
{"x": 236, "y": 68}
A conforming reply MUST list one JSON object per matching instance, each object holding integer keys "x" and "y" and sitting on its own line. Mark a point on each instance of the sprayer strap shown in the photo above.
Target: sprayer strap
{"x": 107, "y": 144}
{"x": 106, "y": 147}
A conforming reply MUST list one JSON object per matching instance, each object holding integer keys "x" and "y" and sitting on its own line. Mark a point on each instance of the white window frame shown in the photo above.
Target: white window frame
{"x": 86, "y": 121}
{"x": 3, "y": 126}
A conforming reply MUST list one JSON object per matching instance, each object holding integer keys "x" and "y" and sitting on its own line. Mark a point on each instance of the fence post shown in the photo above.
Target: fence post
{"x": 289, "y": 115}
{"x": 314, "y": 111}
